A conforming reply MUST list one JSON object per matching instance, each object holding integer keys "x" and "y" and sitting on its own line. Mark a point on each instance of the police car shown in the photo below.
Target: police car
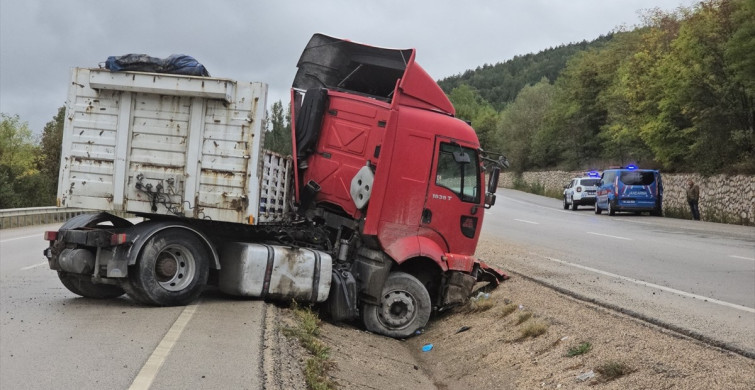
{"x": 581, "y": 191}
{"x": 630, "y": 189}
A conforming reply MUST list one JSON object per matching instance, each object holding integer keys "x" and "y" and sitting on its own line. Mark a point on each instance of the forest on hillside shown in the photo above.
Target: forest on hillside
{"x": 675, "y": 93}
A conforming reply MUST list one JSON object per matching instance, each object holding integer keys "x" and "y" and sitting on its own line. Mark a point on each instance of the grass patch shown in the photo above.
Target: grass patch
{"x": 307, "y": 331}
{"x": 580, "y": 349}
{"x": 508, "y": 309}
{"x": 523, "y": 317}
{"x": 478, "y": 305}
{"x": 613, "y": 370}
{"x": 534, "y": 329}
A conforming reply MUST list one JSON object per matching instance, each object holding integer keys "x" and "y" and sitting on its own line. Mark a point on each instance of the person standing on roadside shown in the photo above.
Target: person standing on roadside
{"x": 693, "y": 197}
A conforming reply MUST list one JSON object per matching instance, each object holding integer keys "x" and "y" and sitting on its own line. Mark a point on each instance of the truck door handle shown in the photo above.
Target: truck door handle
{"x": 427, "y": 216}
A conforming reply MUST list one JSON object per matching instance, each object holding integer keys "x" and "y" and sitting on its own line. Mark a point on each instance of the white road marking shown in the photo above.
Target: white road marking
{"x": 33, "y": 266}
{"x": 540, "y": 206}
{"x": 742, "y": 257}
{"x": 21, "y": 238}
{"x": 608, "y": 235}
{"x": 149, "y": 371}
{"x": 651, "y": 285}
{"x": 525, "y": 221}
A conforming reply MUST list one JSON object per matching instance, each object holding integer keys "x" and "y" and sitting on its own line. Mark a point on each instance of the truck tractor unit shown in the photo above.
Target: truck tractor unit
{"x": 376, "y": 214}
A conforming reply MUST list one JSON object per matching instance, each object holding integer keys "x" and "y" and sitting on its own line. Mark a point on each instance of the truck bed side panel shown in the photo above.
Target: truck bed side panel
{"x": 163, "y": 144}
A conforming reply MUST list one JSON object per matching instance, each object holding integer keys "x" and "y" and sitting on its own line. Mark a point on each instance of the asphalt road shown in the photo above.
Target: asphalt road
{"x": 51, "y": 339}
{"x": 696, "y": 276}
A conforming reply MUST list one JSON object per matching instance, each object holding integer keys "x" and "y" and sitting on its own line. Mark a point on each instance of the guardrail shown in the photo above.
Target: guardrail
{"x": 13, "y": 218}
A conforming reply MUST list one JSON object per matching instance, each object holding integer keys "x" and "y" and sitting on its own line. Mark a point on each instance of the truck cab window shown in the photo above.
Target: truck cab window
{"x": 458, "y": 170}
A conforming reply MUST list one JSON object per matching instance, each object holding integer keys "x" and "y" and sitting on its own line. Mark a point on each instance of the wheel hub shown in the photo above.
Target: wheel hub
{"x": 398, "y": 309}
{"x": 166, "y": 267}
{"x": 175, "y": 268}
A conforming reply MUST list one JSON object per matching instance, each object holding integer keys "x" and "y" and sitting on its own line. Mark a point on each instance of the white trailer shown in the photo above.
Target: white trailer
{"x": 170, "y": 144}
{"x": 186, "y": 153}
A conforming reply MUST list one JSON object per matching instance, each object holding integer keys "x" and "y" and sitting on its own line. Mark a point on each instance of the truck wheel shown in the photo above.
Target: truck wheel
{"x": 574, "y": 205}
{"x": 611, "y": 208}
{"x": 171, "y": 269}
{"x": 566, "y": 205}
{"x": 404, "y": 307}
{"x": 82, "y": 285}
{"x": 597, "y": 208}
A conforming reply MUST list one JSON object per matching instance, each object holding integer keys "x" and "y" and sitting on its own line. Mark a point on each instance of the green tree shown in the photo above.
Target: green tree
{"x": 470, "y": 106}
{"x": 704, "y": 118}
{"x": 485, "y": 126}
{"x": 522, "y": 122}
{"x": 49, "y": 162}
{"x": 21, "y": 184}
{"x": 278, "y": 127}
{"x": 579, "y": 112}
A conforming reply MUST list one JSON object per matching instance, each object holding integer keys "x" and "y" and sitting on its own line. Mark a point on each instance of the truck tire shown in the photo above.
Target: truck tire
{"x": 566, "y": 205}
{"x": 611, "y": 208}
{"x": 597, "y": 208}
{"x": 574, "y": 205}
{"x": 82, "y": 285}
{"x": 404, "y": 307}
{"x": 171, "y": 270}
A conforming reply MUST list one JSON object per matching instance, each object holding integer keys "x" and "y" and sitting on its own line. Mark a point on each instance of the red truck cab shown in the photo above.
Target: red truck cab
{"x": 376, "y": 141}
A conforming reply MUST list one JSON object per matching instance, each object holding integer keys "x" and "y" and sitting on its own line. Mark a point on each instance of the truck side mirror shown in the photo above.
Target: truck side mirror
{"x": 489, "y": 200}
{"x": 493, "y": 180}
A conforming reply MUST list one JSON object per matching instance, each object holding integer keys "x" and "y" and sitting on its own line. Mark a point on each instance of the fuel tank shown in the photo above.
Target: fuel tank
{"x": 275, "y": 272}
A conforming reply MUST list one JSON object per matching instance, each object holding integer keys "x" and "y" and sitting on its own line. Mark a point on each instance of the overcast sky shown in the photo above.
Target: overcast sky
{"x": 252, "y": 40}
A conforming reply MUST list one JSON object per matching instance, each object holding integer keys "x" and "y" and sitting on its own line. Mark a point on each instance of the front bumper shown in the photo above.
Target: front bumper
{"x": 585, "y": 200}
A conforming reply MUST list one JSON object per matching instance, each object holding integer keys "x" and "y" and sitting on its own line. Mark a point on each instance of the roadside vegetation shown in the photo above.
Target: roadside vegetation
{"x": 29, "y": 165}
{"x": 580, "y": 349}
{"x": 307, "y": 331}
{"x": 676, "y": 93}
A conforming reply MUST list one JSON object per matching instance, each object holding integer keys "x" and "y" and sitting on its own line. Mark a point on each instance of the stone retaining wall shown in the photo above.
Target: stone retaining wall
{"x": 723, "y": 198}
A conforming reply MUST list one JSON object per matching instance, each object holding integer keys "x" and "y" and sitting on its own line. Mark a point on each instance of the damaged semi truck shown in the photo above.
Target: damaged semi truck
{"x": 377, "y": 214}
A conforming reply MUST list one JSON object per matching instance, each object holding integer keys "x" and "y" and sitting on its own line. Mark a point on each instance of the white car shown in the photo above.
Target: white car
{"x": 580, "y": 191}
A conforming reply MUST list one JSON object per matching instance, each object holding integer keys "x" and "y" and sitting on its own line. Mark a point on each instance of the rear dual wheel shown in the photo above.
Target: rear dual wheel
{"x": 81, "y": 284}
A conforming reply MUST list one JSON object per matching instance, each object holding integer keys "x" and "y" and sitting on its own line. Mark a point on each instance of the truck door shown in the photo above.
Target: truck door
{"x": 452, "y": 212}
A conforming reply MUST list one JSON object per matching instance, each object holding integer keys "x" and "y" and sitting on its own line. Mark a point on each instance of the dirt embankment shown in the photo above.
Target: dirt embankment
{"x": 489, "y": 348}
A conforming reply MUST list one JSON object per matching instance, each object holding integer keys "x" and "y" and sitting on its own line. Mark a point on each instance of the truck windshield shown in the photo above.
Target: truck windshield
{"x": 461, "y": 177}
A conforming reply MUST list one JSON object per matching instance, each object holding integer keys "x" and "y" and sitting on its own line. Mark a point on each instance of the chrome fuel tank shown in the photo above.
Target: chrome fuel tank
{"x": 275, "y": 272}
